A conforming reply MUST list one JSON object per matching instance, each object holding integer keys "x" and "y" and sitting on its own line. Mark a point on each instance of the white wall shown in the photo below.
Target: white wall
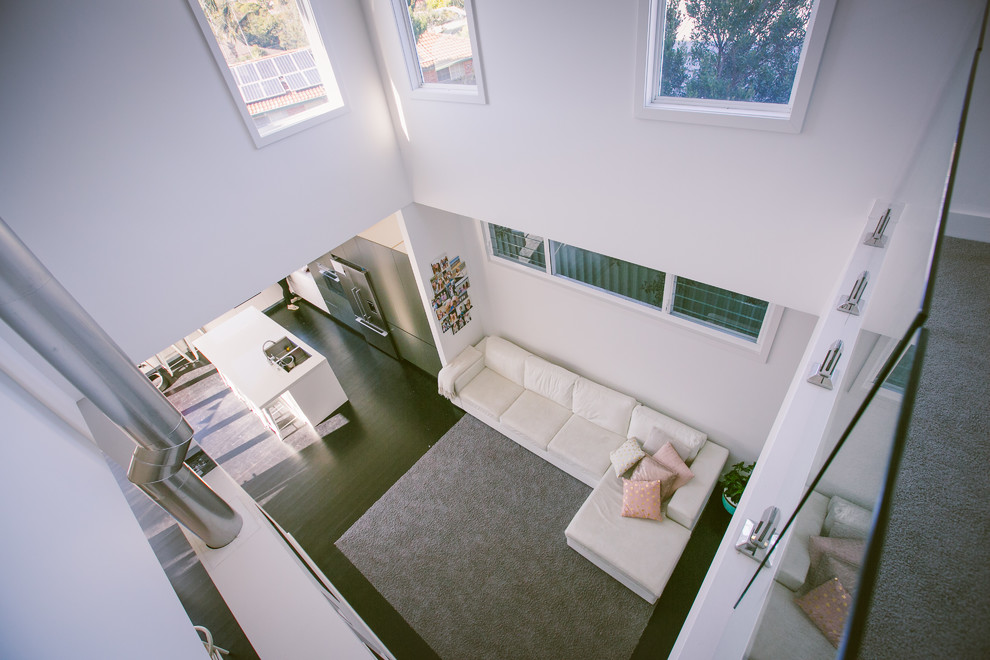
{"x": 970, "y": 210}
{"x": 127, "y": 168}
{"x": 430, "y": 234}
{"x": 557, "y": 151}
{"x": 79, "y": 579}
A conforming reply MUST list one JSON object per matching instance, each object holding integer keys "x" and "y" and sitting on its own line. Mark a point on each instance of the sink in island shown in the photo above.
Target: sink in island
{"x": 272, "y": 370}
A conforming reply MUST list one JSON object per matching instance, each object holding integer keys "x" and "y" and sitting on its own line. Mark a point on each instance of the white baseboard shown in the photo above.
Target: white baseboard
{"x": 967, "y": 225}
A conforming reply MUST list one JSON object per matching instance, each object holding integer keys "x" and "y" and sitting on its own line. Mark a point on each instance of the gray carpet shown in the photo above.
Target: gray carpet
{"x": 469, "y": 548}
{"x": 931, "y": 599}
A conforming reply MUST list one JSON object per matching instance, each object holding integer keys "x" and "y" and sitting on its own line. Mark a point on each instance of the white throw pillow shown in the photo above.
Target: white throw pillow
{"x": 626, "y": 456}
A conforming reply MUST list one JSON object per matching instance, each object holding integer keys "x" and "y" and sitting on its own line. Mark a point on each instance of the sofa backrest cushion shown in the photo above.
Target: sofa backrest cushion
{"x": 550, "y": 381}
{"x": 845, "y": 519}
{"x": 506, "y": 359}
{"x": 602, "y": 406}
{"x": 686, "y": 440}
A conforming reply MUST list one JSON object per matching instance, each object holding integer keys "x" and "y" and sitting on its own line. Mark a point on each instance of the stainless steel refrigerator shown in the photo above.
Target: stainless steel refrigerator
{"x": 360, "y": 293}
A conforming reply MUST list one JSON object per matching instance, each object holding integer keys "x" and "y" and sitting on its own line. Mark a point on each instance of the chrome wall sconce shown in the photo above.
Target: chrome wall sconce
{"x": 877, "y": 238}
{"x": 851, "y": 303}
{"x": 826, "y": 371}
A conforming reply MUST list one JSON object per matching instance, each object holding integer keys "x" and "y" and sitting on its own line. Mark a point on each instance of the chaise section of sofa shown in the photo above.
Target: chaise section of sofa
{"x": 575, "y": 424}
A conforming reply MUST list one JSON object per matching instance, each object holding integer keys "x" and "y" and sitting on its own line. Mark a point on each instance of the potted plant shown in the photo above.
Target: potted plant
{"x": 733, "y": 482}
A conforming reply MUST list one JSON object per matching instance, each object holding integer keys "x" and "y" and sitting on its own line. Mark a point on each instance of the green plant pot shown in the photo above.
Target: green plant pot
{"x": 729, "y": 506}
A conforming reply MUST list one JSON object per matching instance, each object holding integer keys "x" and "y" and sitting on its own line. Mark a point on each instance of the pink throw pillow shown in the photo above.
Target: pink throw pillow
{"x": 827, "y": 606}
{"x": 642, "y": 499}
{"x": 649, "y": 469}
{"x": 670, "y": 459}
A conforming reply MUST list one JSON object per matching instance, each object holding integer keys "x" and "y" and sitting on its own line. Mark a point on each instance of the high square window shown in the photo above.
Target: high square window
{"x": 440, "y": 48}
{"x": 274, "y": 61}
{"x": 747, "y": 63}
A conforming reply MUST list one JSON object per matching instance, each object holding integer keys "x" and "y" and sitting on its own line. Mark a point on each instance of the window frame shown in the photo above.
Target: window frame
{"x": 760, "y": 348}
{"x": 788, "y": 118}
{"x": 420, "y": 89}
{"x": 878, "y": 357}
{"x": 335, "y": 93}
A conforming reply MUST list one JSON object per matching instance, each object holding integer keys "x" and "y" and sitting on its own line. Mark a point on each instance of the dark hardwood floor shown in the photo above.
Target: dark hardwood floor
{"x": 393, "y": 416}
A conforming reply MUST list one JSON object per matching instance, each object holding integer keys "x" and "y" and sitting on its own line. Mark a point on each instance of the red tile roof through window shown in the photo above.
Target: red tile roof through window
{"x": 287, "y": 99}
{"x": 441, "y": 50}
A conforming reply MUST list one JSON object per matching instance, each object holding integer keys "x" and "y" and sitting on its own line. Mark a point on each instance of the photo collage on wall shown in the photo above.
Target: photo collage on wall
{"x": 450, "y": 285}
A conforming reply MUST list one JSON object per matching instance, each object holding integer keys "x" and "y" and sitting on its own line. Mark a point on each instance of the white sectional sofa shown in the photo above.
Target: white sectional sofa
{"x": 575, "y": 424}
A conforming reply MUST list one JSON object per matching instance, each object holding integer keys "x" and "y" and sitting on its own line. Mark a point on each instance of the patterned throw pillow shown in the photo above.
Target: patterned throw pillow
{"x": 670, "y": 459}
{"x": 649, "y": 469}
{"x": 642, "y": 499}
{"x": 827, "y": 606}
{"x": 830, "y": 567}
{"x": 626, "y": 456}
{"x": 848, "y": 550}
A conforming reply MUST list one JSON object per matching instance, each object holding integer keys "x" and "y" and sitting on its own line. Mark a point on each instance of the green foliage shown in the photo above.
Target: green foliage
{"x": 654, "y": 291}
{"x": 431, "y": 13}
{"x": 673, "y": 73}
{"x": 734, "y": 481}
{"x": 741, "y": 50}
{"x": 261, "y": 28}
{"x": 420, "y": 22}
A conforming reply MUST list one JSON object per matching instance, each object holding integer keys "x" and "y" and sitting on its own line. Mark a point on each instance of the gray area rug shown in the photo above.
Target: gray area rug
{"x": 469, "y": 548}
{"x": 931, "y": 599}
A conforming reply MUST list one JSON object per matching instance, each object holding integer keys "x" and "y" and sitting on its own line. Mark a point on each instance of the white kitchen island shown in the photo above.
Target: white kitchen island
{"x": 310, "y": 391}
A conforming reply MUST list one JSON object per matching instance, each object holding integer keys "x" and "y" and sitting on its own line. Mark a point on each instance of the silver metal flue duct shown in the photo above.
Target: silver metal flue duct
{"x": 47, "y": 317}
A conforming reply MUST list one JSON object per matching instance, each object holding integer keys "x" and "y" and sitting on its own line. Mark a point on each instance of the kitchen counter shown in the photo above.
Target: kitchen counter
{"x": 310, "y": 390}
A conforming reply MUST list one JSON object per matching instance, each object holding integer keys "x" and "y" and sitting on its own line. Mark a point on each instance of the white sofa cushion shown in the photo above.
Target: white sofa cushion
{"x": 786, "y": 632}
{"x": 506, "y": 359}
{"x": 536, "y": 418}
{"x": 550, "y": 381}
{"x": 585, "y": 445}
{"x": 686, "y": 440}
{"x": 603, "y": 406}
{"x": 845, "y": 519}
{"x": 687, "y": 504}
{"x": 633, "y": 550}
{"x": 491, "y": 393}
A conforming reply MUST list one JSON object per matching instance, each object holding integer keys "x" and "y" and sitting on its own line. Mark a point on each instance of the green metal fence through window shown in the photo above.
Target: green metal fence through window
{"x": 719, "y": 307}
{"x": 616, "y": 276}
{"x": 518, "y": 246}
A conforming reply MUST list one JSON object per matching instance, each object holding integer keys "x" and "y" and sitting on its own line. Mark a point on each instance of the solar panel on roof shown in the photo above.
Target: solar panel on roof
{"x": 304, "y": 59}
{"x": 272, "y": 88}
{"x": 252, "y": 93}
{"x": 285, "y": 64}
{"x": 266, "y": 69}
{"x": 296, "y": 81}
{"x": 313, "y": 77}
{"x": 246, "y": 73}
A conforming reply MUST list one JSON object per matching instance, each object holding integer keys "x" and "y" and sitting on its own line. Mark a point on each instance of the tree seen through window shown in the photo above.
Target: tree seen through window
{"x": 733, "y": 50}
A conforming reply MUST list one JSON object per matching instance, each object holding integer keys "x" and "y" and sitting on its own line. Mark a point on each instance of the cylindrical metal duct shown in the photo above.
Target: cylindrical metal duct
{"x": 47, "y": 317}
